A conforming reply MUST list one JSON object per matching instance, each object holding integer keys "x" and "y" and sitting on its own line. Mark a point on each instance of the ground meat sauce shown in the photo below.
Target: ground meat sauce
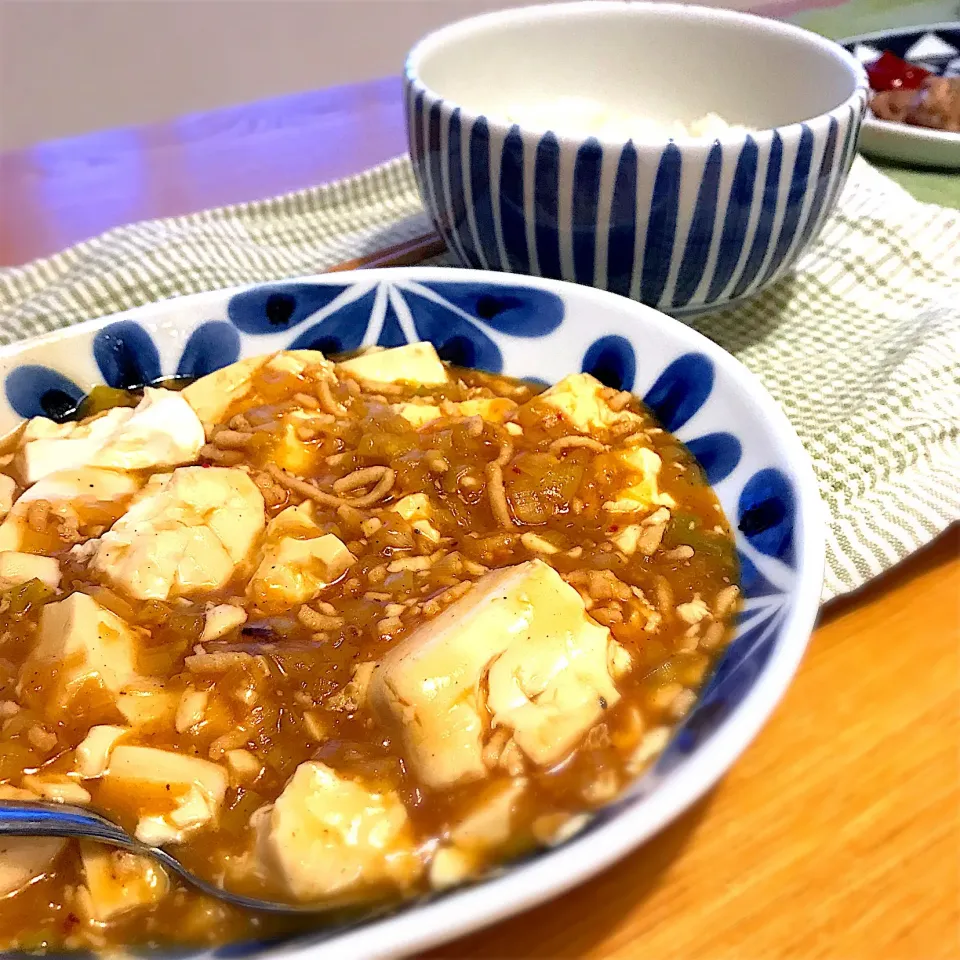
{"x": 279, "y": 666}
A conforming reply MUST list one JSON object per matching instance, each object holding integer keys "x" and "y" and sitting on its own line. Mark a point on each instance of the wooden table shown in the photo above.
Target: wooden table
{"x": 837, "y": 835}
{"x": 56, "y": 194}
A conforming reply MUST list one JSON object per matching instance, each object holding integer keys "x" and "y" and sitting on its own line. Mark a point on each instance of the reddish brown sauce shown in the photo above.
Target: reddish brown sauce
{"x": 273, "y": 696}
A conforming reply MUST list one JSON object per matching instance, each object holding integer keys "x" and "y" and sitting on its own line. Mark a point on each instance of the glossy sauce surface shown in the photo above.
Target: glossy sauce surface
{"x": 279, "y": 689}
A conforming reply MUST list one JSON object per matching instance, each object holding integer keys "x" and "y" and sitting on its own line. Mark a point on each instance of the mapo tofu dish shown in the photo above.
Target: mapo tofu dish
{"x": 336, "y": 633}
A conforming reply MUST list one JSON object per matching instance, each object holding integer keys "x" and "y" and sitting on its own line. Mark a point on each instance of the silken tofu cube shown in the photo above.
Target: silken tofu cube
{"x": 92, "y": 755}
{"x": 8, "y": 493}
{"x": 642, "y": 494}
{"x": 163, "y": 431}
{"x": 417, "y": 510}
{"x": 296, "y": 571}
{"x": 579, "y": 398}
{"x": 118, "y": 881}
{"x": 297, "y": 561}
{"x": 493, "y": 410}
{"x": 85, "y": 643}
{"x": 417, "y": 414}
{"x": 486, "y": 826}
{"x": 25, "y": 859}
{"x": 220, "y": 619}
{"x": 18, "y": 568}
{"x": 47, "y": 447}
{"x": 330, "y": 837}
{"x": 518, "y": 651}
{"x": 106, "y": 491}
{"x": 174, "y": 794}
{"x": 185, "y": 535}
{"x": 213, "y": 395}
{"x": 412, "y": 363}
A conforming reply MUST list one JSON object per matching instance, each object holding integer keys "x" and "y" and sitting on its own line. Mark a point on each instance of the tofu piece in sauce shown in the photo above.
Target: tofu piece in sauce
{"x": 330, "y": 837}
{"x": 186, "y": 792}
{"x": 488, "y": 824}
{"x": 118, "y": 881}
{"x": 161, "y": 432}
{"x": 412, "y": 363}
{"x": 289, "y": 452}
{"x": 92, "y": 755}
{"x": 48, "y": 447}
{"x": 485, "y": 828}
{"x": 417, "y": 414}
{"x": 213, "y": 395}
{"x": 18, "y": 568}
{"x": 548, "y": 670}
{"x": 185, "y": 535}
{"x": 148, "y": 704}
{"x": 298, "y": 561}
{"x": 221, "y": 619}
{"x": 86, "y": 490}
{"x": 25, "y": 859}
{"x": 84, "y": 643}
{"x": 417, "y": 510}
{"x": 643, "y": 493}
{"x": 493, "y": 410}
{"x": 8, "y": 492}
{"x": 579, "y": 398}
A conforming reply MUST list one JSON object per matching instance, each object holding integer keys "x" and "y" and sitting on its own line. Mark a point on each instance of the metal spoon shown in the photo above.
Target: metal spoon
{"x": 39, "y": 819}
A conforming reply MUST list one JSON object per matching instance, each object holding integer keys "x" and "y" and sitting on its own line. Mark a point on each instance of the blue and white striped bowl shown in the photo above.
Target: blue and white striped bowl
{"x": 680, "y": 224}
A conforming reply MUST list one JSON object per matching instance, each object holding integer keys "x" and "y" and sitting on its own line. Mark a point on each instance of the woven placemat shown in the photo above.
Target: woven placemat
{"x": 861, "y": 346}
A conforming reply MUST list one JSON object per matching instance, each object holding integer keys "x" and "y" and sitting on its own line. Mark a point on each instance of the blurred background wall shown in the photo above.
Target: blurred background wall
{"x": 72, "y": 66}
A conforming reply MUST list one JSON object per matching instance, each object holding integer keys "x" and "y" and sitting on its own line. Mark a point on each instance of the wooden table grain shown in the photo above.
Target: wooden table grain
{"x": 837, "y": 834}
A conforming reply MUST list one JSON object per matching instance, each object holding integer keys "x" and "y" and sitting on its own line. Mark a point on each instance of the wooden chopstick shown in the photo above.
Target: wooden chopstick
{"x": 404, "y": 254}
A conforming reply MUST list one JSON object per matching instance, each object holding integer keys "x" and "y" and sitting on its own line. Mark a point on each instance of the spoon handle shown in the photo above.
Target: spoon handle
{"x": 25, "y": 818}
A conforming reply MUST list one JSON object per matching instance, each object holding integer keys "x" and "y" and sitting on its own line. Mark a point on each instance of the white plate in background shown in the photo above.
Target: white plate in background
{"x": 935, "y": 48}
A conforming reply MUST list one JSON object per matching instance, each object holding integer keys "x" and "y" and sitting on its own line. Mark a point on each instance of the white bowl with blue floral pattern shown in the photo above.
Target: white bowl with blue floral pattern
{"x": 538, "y": 329}
{"x": 680, "y": 224}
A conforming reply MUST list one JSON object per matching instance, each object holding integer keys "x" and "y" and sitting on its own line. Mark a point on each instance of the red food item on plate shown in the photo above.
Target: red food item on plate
{"x": 892, "y": 73}
{"x": 935, "y": 106}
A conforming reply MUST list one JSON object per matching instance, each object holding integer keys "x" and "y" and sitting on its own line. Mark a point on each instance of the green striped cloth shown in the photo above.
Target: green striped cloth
{"x": 860, "y": 346}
